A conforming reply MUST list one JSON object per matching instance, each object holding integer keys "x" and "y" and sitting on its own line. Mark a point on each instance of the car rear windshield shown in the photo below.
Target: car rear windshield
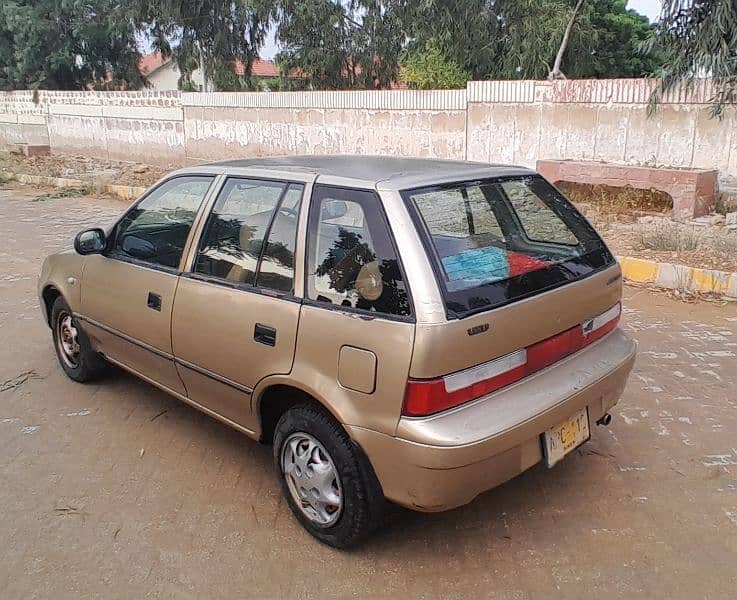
{"x": 500, "y": 240}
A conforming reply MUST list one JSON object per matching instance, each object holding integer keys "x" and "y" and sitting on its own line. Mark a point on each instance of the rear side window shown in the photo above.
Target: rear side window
{"x": 351, "y": 261}
{"x": 496, "y": 241}
{"x": 250, "y": 234}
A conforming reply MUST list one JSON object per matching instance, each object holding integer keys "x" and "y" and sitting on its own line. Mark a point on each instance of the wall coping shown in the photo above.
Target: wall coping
{"x": 571, "y": 91}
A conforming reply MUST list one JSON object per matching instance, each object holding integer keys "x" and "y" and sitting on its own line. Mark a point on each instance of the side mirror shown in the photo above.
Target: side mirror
{"x": 90, "y": 241}
{"x": 333, "y": 209}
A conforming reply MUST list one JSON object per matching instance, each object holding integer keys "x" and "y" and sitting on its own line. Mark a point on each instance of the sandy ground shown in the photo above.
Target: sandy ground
{"x": 116, "y": 490}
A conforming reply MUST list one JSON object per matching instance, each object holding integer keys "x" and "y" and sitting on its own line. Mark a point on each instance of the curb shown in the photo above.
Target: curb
{"x": 125, "y": 192}
{"x": 679, "y": 277}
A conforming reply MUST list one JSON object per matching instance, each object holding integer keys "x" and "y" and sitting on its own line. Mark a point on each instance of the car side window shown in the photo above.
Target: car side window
{"x": 155, "y": 230}
{"x": 351, "y": 260}
{"x": 250, "y": 235}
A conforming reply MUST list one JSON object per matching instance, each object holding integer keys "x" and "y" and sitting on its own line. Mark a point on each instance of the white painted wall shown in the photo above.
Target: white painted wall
{"x": 166, "y": 77}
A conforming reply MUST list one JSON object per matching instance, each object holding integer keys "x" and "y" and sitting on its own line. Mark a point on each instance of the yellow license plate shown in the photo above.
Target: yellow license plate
{"x": 566, "y": 436}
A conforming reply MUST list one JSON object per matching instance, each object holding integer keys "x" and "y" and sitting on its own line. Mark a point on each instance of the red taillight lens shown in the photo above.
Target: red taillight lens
{"x": 424, "y": 397}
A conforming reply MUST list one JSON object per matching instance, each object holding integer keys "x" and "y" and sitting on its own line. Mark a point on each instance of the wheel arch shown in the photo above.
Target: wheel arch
{"x": 271, "y": 400}
{"x": 49, "y": 295}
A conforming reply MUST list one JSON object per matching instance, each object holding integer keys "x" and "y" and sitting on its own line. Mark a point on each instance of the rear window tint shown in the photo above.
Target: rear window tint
{"x": 496, "y": 241}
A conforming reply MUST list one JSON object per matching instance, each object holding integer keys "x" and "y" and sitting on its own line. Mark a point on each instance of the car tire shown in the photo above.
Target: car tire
{"x": 76, "y": 356}
{"x": 308, "y": 443}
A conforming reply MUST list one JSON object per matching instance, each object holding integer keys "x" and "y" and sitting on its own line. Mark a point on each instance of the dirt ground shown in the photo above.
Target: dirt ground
{"x": 637, "y": 223}
{"x": 116, "y": 490}
{"x": 94, "y": 170}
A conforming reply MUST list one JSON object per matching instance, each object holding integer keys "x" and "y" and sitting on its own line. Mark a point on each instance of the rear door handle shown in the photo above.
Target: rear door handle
{"x": 154, "y": 301}
{"x": 264, "y": 334}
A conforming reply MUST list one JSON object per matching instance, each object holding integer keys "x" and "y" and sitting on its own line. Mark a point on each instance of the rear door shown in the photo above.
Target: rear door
{"x": 235, "y": 315}
{"x": 357, "y": 328}
{"x": 128, "y": 292}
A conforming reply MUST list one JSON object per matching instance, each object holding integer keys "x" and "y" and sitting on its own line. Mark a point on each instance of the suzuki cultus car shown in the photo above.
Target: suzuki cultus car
{"x": 417, "y": 331}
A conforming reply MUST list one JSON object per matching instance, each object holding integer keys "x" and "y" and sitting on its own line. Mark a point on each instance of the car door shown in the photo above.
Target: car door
{"x": 356, "y": 329}
{"x": 235, "y": 314}
{"x": 128, "y": 291}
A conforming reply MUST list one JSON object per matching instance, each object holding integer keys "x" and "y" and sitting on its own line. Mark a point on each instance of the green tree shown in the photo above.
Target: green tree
{"x": 620, "y": 34}
{"x": 209, "y": 35}
{"x": 340, "y": 45}
{"x": 698, "y": 39}
{"x": 519, "y": 39}
{"x": 429, "y": 69}
{"x": 67, "y": 45}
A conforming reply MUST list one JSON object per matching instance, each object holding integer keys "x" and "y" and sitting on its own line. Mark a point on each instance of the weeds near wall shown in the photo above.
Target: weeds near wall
{"x": 610, "y": 200}
{"x": 66, "y": 192}
{"x": 671, "y": 237}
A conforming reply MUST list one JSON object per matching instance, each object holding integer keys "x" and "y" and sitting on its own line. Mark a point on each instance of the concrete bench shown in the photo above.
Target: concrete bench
{"x": 694, "y": 191}
{"x": 29, "y": 150}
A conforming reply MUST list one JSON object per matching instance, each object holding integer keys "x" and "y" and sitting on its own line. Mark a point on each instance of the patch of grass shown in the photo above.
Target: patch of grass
{"x": 669, "y": 236}
{"x": 66, "y": 192}
{"x": 725, "y": 246}
{"x": 610, "y": 200}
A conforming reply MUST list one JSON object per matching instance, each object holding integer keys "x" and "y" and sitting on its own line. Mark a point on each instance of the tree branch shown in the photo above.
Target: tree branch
{"x": 556, "y": 72}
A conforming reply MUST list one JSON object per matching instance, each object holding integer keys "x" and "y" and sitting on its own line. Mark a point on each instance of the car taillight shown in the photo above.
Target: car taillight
{"x": 424, "y": 397}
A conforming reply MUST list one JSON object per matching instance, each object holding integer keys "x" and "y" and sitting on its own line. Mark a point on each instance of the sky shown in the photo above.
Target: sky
{"x": 650, "y": 8}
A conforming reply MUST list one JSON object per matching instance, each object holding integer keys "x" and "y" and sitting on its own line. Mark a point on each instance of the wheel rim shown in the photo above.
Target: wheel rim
{"x": 67, "y": 340}
{"x": 312, "y": 479}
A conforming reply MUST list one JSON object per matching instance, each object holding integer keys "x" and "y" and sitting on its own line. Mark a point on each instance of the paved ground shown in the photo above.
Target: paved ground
{"x": 118, "y": 491}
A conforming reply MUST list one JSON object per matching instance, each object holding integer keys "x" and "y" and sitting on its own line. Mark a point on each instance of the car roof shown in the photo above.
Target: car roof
{"x": 381, "y": 172}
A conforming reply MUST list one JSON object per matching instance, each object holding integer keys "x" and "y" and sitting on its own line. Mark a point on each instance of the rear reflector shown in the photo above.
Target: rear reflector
{"x": 424, "y": 397}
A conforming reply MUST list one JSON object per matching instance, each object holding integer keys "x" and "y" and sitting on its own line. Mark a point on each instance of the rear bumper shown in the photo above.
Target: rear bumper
{"x": 445, "y": 461}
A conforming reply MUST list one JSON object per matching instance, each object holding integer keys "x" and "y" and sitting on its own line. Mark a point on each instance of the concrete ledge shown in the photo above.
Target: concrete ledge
{"x": 679, "y": 277}
{"x": 124, "y": 192}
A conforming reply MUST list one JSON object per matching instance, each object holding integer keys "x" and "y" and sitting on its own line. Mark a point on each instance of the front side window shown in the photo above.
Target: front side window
{"x": 351, "y": 259}
{"x": 250, "y": 234}
{"x": 156, "y": 229}
{"x": 496, "y": 241}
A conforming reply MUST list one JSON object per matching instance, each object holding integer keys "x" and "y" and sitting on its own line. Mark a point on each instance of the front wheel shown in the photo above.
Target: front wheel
{"x": 76, "y": 357}
{"x": 328, "y": 483}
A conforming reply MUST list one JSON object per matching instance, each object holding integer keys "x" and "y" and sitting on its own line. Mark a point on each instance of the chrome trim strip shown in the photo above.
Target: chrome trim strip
{"x": 219, "y": 378}
{"x": 463, "y": 379}
{"x": 127, "y": 338}
{"x": 600, "y": 320}
{"x": 178, "y": 396}
{"x": 166, "y": 355}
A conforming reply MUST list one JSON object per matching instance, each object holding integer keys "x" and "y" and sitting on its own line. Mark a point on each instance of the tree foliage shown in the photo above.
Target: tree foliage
{"x": 518, "y": 39}
{"x": 698, "y": 39}
{"x": 68, "y": 44}
{"x": 208, "y": 34}
{"x": 340, "y": 45}
{"x": 348, "y": 44}
{"x": 429, "y": 69}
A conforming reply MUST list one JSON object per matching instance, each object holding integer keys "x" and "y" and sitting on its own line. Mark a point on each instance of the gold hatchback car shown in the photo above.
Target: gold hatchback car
{"x": 404, "y": 329}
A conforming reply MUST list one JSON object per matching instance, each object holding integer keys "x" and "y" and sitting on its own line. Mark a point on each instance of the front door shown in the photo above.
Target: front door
{"x": 235, "y": 315}
{"x": 128, "y": 292}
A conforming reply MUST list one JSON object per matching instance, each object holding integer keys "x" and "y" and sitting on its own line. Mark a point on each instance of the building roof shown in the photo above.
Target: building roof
{"x": 384, "y": 172}
{"x": 260, "y": 68}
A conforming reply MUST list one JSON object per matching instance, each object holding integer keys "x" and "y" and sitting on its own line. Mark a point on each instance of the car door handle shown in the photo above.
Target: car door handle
{"x": 154, "y": 301}
{"x": 264, "y": 334}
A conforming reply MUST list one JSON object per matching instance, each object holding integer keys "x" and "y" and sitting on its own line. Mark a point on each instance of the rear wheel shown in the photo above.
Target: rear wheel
{"x": 73, "y": 349}
{"x": 328, "y": 483}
